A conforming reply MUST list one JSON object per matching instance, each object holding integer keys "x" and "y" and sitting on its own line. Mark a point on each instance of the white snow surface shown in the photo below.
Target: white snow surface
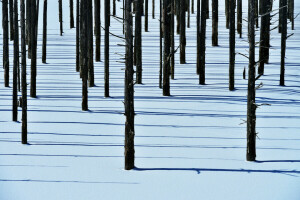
{"x": 191, "y": 145}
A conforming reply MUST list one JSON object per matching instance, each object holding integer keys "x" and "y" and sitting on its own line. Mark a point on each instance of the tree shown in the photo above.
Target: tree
{"x": 97, "y": 29}
{"x": 214, "y": 37}
{"x": 283, "y": 40}
{"x": 129, "y": 90}
{"x": 60, "y": 16}
{"x": 78, "y": 36}
{"x": 182, "y": 32}
{"x": 167, "y": 45}
{"x": 202, "y": 43}
{"x": 160, "y": 43}
{"x": 106, "y": 49}
{"x": 11, "y": 19}
{"x": 239, "y": 14}
{"x": 33, "y": 40}
{"x": 90, "y": 45}
{"x": 231, "y": 44}
{"x": 146, "y": 15}
{"x": 71, "y": 14}
{"x": 5, "y": 42}
{"x": 138, "y": 41}
{"x": 44, "y": 53}
{"x": 251, "y": 106}
{"x": 16, "y": 58}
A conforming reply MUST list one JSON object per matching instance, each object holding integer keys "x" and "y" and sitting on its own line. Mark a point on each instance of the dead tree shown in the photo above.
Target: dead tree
{"x": 189, "y": 14}
{"x": 172, "y": 65}
{"x": 90, "y": 45}
{"x": 16, "y": 58}
{"x": 44, "y": 53}
{"x": 283, "y": 41}
{"x": 97, "y": 29}
{"x": 231, "y": 44}
{"x": 160, "y": 43}
{"x": 84, "y": 52}
{"x": 256, "y": 13}
{"x": 114, "y": 7}
{"x": 264, "y": 32}
{"x": 5, "y": 42}
{"x": 129, "y": 90}
{"x": 28, "y": 26}
{"x": 60, "y": 16}
{"x": 193, "y": 9}
{"x": 78, "y": 36}
{"x": 198, "y": 37}
{"x": 138, "y": 41}
{"x": 153, "y": 9}
{"x": 33, "y": 40}
{"x": 251, "y": 105}
{"x": 106, "y": 49}
{"x": 71, "y": 14}
{"x": 24, "y": 82}
{"x": 182, "y": 32}
{"x": 11, "y": 19}
{"x": 215, "y": 20}
{"x": 16, "y": 39}
{"x": 239, "y": 14}
{"x": 227, "y": 13}
{"x": 146, "y": 15}
{"x": 202, "y": 43}
{"x": 167, "y": 46}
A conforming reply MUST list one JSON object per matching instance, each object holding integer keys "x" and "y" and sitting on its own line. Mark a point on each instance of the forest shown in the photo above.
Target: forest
{"x": 162, "y": 88}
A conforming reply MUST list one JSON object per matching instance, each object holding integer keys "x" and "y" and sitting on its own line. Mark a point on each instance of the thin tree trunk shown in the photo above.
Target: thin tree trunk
{"x": 16, "y": 39}
{"x": 268, "y": 20}
{"x": 138, "y": 41}
{"x": 160, "y": 44}
{"x": 189, "y": 14}
{"x": 193, "y": 9}
{"x": 172, "y": 39}
{"x": 182, "y": 32}
{"x": 251, "y": 106}
{"x": 231, "y": 44}
{"x": 256, "y": 13}
{"x": 11, "y": 19}
{"x": 24, "y": 82}
{"x": 146, "y": 15}
{"x": 123, "y": 16}
{"x": 215, "y": 20}
{"x": 202, "y": 43}
{"x": 106, "y": 50}
{"x": 167, "y": 45}
{"x": 207, "y": 9}
{"x": 240, "y": 17}
{"x": 5, "y": 42}
{"x": 283, "y": 41}
{"x": 280, "y": 16}
{"x": 97, "y": 29}
{"x": 60, "y": 16}
{"x": 90, "y": 45}
{"x": 84, "y": 52}
{"x": 28, "y": 26}
{"x": 198, "y": 37}
{"x": 71, "y": 14}
{"x": 129, "y": 91}
{"x": 16, "y": 58}
{"x": 178, "y": 11}
{"x": 263, "y": 37}
{"x": 33, "y": 49}
{"x": 227, "y": 13}
{"x": 114, "y": 7}
{"x": 44, "y": 53}
{"x": 78, "y": 36}
{"x": 153, "y": 9}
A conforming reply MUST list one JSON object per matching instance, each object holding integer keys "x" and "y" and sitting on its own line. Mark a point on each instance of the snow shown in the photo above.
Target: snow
{"x": 188, "y": 146}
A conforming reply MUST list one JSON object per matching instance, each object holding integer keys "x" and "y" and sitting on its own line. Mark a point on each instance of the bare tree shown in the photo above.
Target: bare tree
{"x": 283, "y": 40}
{"x": 90, "y": 45}
{"x": 160, "y": 43}
{"x": 11, "y": 19}
{"x": 146, "y": 15}
{"x": 71, "y": 14}
{"x": 138, "y": 41}
{"x": 16, "y": 58}
{"x": 60, "y": 10}
{"x": 239, "y": 14}
{"x": 231, "y": 44}
{"x": 78, "y": 36}
{"x": 33, "y": 40}
{"x": 5, "y": 42}
{"x": 215, "y": 19}
{"x": 167, "y": 46}
{"x": 153, "y": 9}
{"x": 44, "y": 53}
{"x": 182, "y": 32}
{"x": 202, "y": 43}
{"x": 97, "y": 29}
{"x": 106, "y": 49}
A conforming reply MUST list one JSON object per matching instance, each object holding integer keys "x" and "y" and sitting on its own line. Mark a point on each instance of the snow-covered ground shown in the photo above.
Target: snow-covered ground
{"x": 188, "y": 146}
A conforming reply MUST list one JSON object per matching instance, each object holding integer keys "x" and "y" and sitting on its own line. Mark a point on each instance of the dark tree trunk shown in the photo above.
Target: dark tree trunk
{"x": 198, "y": 37}
{"x": 239, "y": 14}
{"x": 280, "y": 16}
{"x": 153, "y": 9}
{"x": 167, "y": 45}
{"x": 268, "y": 20}
{"x": 160, "y": 44}
{"x": 193, "y": 9}
{"x": 78, "y": 36}
{"x": 11, "y": 19}
{"x": 256, "y": 13}
{"x": 16, "y": 58}
{"x": 231, "y": 44}
{"x": 172, "y": 39}
{"x": 5, "y": 42}
{"x": 207, "y": 9}
{"x": 71, "y": 14}
{"x": 97, "y": 29}
{"x": 215, "y": 20}
{"x": 106, "y": 49}
{"x": 178, "y": 11}
{"x": 129, "y": 91}
{"x": 28, "y": 26}
{"x": 182, "y": 32}
{"x": 84, "y": 52}
{"x": 33, "y": 49}
{"x": 283, "y": 41}
{"x": 146, "y": 15}
{"x": 138, "y": 41}
{"x": 24, "y": 82}
{"x": 90, "y": 45}
{"x": 114, "y": 7}
{"x": 202, "y": 43}
{"x": 263, "y": 36}
{"x": 251, "y": 106}
{"x": 60, "y": 16}
{"x": 189, "y": 14}
{"x": 123, "y": 16}
{"x": 44, "y": 53}
{"x": 292, "y": 13}
{"x": 227, "y": 13}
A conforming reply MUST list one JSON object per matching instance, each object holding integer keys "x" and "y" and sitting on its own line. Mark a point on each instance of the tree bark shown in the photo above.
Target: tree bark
{"x": 182, "y": 32}
{"x": 78, "y": 36}
{"x": 189, "y": 14}
{"x": 114, "y": 7}
{"x": 97, "y": 29}
{"x": 198, "y": 37}
{"x": 240, "y": 17}
{"x": 90, "y": 45}
{"x": 71, "y": 14}
{"x": 215, "y": 20}
{"x": 44, "y": 53}
{"x": 172, "y": 39}
{"x": 193, "y": 9}
{"x": 251, "y": 106}
{"x": 160, "y": 44}
{"x": 283, "y": 41}
{"x": 84, "y": 52}
{"x": 16, "y": 58}
{"x": 146, "y": 15}
{"x": 11, "y": 20}
{"x": 60, "y": 16}
{"x": 28, "y": 26}
{"x": 33, "y": 49}
{"x": 24, "y": 82}
{"x": 153, "y": 9}
{"x": 280, "y": 16}
{"x": 129, "y": 91}
{"x": 167, "y": 46}
{"x": 202, "y": 43}
{"x": 5, "y": 42}
{"x": 138, "y": 41}
{"x": 231, "y": 44}
{"x": 263, "y": 36}
{"x": 106, "y": 49}
{"x": 227, "y": 13}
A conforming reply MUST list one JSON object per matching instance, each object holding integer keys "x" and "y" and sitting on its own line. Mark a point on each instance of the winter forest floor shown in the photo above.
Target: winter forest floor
{"x": 190, "y": 145}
